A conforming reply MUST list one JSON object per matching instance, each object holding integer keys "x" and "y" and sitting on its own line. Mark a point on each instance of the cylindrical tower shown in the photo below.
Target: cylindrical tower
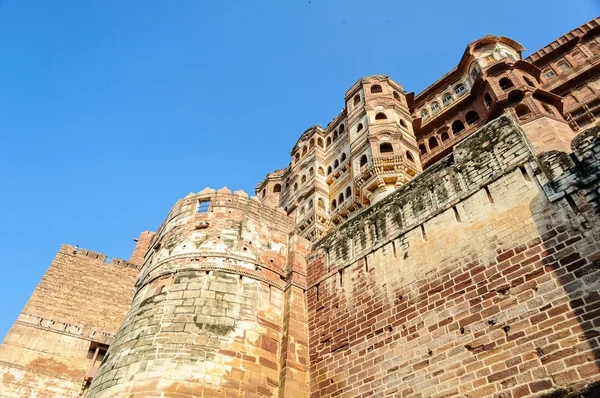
{"x": 207, "y": 318}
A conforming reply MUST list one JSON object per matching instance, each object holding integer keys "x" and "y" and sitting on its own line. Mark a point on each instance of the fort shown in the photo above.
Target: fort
{"x": 444, "y": 244}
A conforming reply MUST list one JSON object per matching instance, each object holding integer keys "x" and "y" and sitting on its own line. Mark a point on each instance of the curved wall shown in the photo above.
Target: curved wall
{"x": 207, "y": 316}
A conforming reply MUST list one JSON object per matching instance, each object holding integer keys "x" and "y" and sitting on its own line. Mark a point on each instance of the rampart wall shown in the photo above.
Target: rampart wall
{"x": 479, "y": 278}
{"x": 79, "y": 303}
{"x": 218, "y": 308}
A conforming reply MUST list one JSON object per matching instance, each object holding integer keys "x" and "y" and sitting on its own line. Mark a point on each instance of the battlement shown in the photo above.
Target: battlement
{"x": 71, "y": 250}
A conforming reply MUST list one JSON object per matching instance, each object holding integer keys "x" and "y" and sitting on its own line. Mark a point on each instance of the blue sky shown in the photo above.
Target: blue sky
{"x": 111, "y": 110}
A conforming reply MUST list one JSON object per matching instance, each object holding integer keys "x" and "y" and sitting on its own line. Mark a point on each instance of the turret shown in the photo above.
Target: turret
{"x": 208, "y": 311}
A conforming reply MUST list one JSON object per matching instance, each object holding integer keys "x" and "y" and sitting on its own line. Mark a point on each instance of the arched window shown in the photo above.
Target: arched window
{"x": 335, "y": 135}
{"x": 348, "y": 193}
{"x": 320, "y": 143}
{"x": 264, "y": 193}
{"x": 329, "y": 170}
{"x": 303, "y": 179}
{"x": 376, "y": 88}
{"x": 409, "y": 156}
{"x": 487, "y": 99}
{"x": 529, "y": 82}
{"x": 433, "y": 143}
{"x": 386, "y": 147}
{"x": 402, "y": 123}
{"x": 471, "y": 117}
{"x": 336, "y": 163}
{"x": 457, "y": 126}
{"x": 321, "y": 204}
{"x": 505, "y": 83}
{"x": 304, "y": 151}
{"x": 343, "y": 157}
{"x": 359, "y": 127}
{"x": 380, "y": 116}
{"x": 333, "y": 204}
{"x": 459, "y": 89}
{"x": 397, "y": 96}
{"x": 342, "y": 129}
{"x": 328, "y": 142}
{"x": 363, "y": 160}
{"x": 522, "y": 111}
{"x": 297, "y": 158}
{"x": 341, "y": 198}
{"x": 474, "y": 71}
{"x": 301, "y": 212}
{"x": 445, "y": 136}
{"x": 321, "y": 171}
{"x": 447, "y": 99}
{"x": 356, "y": 99}
{"x": 312, "y": 144}
{"x": 435, "y": 107}
{"x": 423, "y": 149}
{"x": 424, "y": 114}
{"x": 295, "y": 186}
{"x": 311, "y": 171}
{"x": 276, "y": 188}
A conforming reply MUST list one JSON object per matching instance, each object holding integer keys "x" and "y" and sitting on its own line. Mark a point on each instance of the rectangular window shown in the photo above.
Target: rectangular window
{"x": 203, "y": 206}
{"x": 564, "y": 66}
{"x": 490, "y": 58}
{"x": 549, "y": 74}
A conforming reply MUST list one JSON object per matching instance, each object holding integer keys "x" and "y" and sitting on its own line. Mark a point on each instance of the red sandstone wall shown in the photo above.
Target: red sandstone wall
{"x": 448, "y": 289}
{"x": 80, "y": 299}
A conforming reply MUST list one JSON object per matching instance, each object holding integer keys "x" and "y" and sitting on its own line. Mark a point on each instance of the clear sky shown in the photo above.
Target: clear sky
{"x": 112, "y": 110}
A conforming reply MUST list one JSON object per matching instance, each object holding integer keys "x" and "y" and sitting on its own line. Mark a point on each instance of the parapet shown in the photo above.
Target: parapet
{"x": 494, "y": 150}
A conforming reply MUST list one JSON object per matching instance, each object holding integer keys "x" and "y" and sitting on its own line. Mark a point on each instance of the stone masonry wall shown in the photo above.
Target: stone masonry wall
{"x": 80, "y": 300}
{"x": 210, "y": 316}
{"x": 479, "y": 278}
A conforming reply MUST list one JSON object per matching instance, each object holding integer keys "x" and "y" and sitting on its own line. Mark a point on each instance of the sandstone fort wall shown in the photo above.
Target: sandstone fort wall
{"x": 478, "y": 278}
{"x": 79, "y": 304}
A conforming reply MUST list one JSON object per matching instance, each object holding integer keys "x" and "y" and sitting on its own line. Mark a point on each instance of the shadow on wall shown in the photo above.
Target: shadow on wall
{"x": 566, "y": 332}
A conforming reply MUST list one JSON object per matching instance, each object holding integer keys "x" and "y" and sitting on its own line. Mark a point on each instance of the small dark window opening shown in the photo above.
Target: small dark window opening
{"x": 320, "y": 142}
{"x": 409, "y": 156}
{"x": 356, "y": 99}
{"x": 457, "y": 126}
{"x": 487, "y": 99}
{"x": 433, "y": 143}
{"x": 328, "y": 142}
{"x": 522, "y": 111}
{"x": 329, "y": 170}
{"x": 203, "y": 206}
{"x": 396, "y": 96}
{"x": 343, "y": 157}
{"x": 342, "y": 128}
{"x": 277, "y": 188}
{"x": 386, "y": 147}
{"x": 445, "y": 136}
{"x": 333, "y": 204}
{"x": 380, "y": 116}
{"x": 402, "y": 123}
{"x": 529, "y": 82}
{"x": 376, "y": 88}
{"x": 506, "y": 83}
{"x": 363, "y": 160}
{"x": 336, "y": 163}
{"x": 471, "y": 117}
{"x": 359, "y": 127}
{"x": 341, "y": 198}
{"x": 348, "y": 192}
{"x": 423, "y": 149}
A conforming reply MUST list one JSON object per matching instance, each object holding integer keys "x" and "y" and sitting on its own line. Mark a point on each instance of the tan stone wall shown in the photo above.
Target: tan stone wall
{"x": 208, "y": 317}
{"x": 547, "y": 134}
{"x": 141, "y": 247}
{"x": 481, "y": 287}
{"x": 80, "y": 299}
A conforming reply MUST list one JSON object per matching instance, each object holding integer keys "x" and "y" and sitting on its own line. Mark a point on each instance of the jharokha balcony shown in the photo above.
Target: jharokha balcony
{"x": 383, "y": 171}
